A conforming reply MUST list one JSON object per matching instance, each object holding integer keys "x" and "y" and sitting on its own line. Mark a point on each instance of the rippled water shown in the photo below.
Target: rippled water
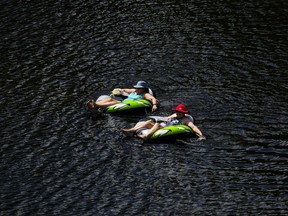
{"x": 226, "y": 60}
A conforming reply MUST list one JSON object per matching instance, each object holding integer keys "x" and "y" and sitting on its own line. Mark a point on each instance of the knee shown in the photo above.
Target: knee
{"x": 149, "y": 124}
{"x": 160, "y": 126}
{"x": 110, "y": 99}
{"x": 157, "y": 125}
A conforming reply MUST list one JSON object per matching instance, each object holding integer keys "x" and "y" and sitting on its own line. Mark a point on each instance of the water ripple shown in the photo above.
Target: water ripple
{"x": 226, "y": 61}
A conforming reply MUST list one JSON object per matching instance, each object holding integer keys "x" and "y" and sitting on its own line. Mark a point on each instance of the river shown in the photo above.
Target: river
{"x": 226, "y": 60}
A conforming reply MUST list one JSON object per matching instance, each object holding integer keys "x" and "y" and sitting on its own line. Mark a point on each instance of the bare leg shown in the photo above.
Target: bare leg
{"x": 100, "y": 104}
{"x": 156, "y": 127}
{"x": 147, "y": 124}
{"x": 106, "y": 102}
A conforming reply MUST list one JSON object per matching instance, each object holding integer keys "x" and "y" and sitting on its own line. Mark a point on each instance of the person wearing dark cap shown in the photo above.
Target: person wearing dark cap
{"x": 179, "y": 117}
{"x": 140, "y": 90}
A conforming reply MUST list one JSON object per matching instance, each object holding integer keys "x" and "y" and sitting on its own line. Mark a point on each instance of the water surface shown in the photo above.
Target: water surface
{"x": 225, "y": 60}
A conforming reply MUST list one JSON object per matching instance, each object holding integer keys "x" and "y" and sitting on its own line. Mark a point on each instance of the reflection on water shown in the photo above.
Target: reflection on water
{"x": 225, "y": 60}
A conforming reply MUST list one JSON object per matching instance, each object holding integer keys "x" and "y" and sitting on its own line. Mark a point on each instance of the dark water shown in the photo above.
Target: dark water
{"x": 226, "y": 60}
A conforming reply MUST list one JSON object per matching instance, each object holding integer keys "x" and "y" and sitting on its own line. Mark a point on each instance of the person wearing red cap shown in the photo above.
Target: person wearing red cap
{"x": 179, "y": 117}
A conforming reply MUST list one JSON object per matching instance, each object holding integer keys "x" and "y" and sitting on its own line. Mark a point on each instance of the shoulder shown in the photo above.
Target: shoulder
{"x": 187, "y": 120}
{"x": 189, "y": 117}
{"x": 147, "y": 95}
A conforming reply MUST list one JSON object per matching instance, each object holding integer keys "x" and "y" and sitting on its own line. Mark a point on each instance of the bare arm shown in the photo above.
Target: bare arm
{"x": 128, "y": 91}
{"x": 195, "y": 129}
{"x": 172, "y": 116}
{"x": 188, "y": 122}
{"x": 153, "y": 100}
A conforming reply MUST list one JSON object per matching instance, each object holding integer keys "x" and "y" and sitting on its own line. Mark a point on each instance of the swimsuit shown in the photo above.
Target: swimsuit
{"x": 172, "y": 122}
{"x": 133, "y": 96}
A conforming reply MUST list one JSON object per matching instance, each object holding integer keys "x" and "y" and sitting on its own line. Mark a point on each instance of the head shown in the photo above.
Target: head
{"x": 181, "y": 110}
{"x": 141, "y": 86}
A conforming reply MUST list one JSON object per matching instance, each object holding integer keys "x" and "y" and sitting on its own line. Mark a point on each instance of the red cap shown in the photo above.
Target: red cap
{"x": 181, "y": 108}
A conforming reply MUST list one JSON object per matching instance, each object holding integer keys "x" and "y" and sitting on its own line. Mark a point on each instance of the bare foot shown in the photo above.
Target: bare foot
{"x": 144, "y": 137}
{"x": 90, "y": 104}
{"x": 127, "y": 132}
